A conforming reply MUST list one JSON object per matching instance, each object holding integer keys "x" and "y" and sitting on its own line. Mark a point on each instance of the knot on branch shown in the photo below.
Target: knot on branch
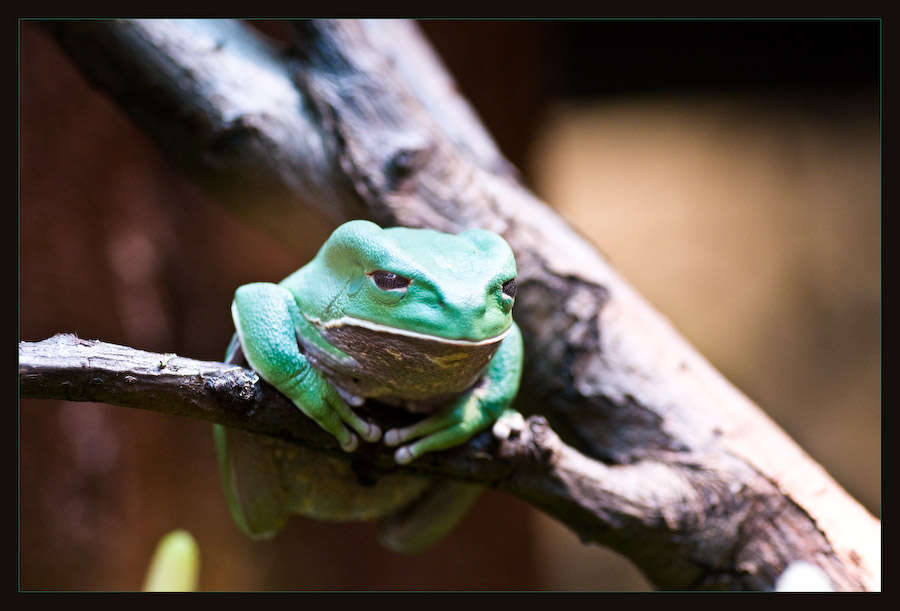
{"x": 234, "y": 137}
{"x": 239, "y": 384}
{"x": 404, "y": 164}
{"x": 535, "y": 443}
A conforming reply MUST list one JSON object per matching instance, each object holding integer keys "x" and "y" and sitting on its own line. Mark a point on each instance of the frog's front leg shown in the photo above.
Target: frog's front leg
{"x": 475, "y": 410}
{"x": 265, "y": 316}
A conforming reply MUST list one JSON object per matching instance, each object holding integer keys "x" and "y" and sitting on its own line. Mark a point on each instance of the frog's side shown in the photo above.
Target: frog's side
{"x": 411, "y": 317}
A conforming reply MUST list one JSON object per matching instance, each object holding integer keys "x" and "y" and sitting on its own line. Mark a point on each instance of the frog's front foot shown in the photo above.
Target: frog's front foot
{"x": 450, "y": 427}
{"x": 319, "y": 400}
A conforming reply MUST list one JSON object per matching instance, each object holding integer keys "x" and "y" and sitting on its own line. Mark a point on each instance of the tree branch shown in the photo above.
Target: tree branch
{"x": 675, "y": 468}
{"x": 534, "y": 465}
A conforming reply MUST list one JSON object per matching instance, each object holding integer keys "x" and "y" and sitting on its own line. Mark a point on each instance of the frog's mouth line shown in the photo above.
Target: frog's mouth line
{"x": 349, "y": 321}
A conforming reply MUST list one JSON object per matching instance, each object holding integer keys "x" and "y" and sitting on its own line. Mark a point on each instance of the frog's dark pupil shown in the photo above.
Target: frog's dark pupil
{"x": 387, "y": 281}
{"x": 509, "y": 288}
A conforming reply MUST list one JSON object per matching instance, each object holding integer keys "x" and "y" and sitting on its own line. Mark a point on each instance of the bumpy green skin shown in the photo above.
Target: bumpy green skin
{"x": 442, "y": 342}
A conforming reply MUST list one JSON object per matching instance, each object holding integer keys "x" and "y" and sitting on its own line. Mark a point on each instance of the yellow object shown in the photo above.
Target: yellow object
{"x": 175, "y": 564}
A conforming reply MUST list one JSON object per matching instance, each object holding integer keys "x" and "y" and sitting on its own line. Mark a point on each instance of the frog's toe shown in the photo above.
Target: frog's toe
{"x": 372, "y": 433}
{"x": 509, "y": 423}
{"x": 404, "y": 455}
{"x": 350, "y": 444}
{"x": 349, "y": 398}
{"x": 368, "y": 431}
{"x": 393, "y": 437}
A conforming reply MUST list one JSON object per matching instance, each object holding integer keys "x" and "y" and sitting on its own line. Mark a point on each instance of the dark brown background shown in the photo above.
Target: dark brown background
{"x": 783, "y": 123}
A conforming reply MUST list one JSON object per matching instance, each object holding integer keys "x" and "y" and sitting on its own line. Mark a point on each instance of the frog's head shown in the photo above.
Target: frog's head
{"x": 459, "y": 287}
{"x": 419, "y": 312}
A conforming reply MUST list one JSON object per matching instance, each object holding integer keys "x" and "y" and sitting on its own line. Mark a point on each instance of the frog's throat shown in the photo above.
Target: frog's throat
{"x": 350, "y": 321}
{"x": 371, "y": 360}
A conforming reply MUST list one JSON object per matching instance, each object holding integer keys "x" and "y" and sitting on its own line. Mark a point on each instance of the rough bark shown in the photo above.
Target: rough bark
{"x": 674, "y": 468}
{"x": 533, "y": 464}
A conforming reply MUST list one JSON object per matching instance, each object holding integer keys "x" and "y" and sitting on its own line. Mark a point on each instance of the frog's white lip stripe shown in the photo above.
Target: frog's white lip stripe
{"x": 374, "y": 326}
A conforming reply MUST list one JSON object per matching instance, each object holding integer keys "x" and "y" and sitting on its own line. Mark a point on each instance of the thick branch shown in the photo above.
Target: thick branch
{"x": 347, "y": 126}
{"x": 535, "y": 465}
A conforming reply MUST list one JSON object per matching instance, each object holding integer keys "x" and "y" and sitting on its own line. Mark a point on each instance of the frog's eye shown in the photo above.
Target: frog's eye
{"x": 509, "y": 288}
{"x": 389, "y": 281}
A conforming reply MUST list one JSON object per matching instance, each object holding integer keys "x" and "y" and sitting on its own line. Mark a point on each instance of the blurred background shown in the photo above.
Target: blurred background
{"x": 730, "y": 169}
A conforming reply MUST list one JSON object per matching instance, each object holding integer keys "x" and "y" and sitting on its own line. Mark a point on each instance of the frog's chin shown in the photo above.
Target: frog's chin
{"x": 350, "y": 321}
{"x": 368, "y": 359}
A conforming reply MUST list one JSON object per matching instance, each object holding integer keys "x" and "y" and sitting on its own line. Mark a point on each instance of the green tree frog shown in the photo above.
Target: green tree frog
{"x": 412, "y": 318}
